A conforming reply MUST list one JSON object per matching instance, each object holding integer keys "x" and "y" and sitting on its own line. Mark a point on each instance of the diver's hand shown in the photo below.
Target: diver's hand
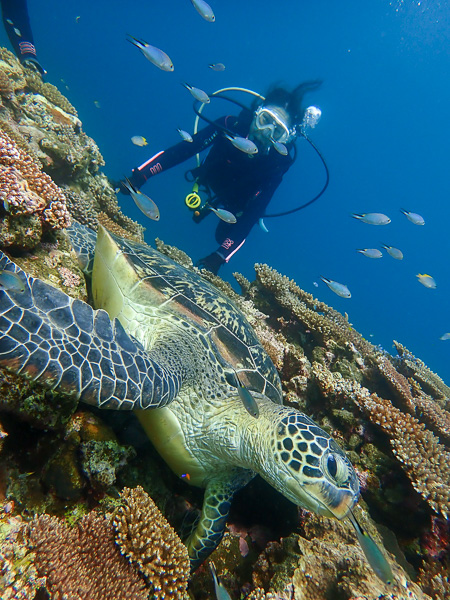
{"x": 32, "y": 63}
{"x": 212, "y": 262}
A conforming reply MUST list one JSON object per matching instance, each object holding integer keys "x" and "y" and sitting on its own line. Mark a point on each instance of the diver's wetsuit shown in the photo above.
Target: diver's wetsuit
{"x": 17, "y": 26}
{"x": 243, "y": 184}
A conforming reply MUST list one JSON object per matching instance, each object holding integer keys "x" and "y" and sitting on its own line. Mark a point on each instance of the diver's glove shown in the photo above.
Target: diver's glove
{"x": 31, "y": 62}
{"x": 212, "y": 262}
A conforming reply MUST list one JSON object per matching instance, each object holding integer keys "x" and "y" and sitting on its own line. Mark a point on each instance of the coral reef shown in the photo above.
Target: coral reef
{"x": 19, "y": 579}
{"x": 148, "y": 540}
{"x": 390, "y": 413}
{"x": 29, "y": 197}
{"x": 44, "y": 127}
{"x": 83, "y": 562}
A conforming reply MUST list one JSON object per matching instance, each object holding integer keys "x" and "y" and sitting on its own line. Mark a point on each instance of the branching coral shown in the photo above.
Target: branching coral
{"x": 327, "y": 325}
{"x": 425, "y": 376}
{"x": 148, "y": 540}
{"x": 424, "y": 459}
{"x": 83, "y": 562}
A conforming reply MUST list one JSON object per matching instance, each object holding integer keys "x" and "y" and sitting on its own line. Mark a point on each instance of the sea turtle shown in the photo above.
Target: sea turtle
{"x": 163, "y": 338}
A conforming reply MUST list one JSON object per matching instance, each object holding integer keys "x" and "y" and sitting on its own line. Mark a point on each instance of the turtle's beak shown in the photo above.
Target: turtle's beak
{"x": 333, "y": 501}
{"x": 322, "y": 498}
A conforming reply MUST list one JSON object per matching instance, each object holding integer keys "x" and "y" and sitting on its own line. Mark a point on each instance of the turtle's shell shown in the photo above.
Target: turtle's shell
{"x": 159, "y": 280}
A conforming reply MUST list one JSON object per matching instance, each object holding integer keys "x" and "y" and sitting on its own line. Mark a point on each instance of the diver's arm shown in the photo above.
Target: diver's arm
{"x": 166, "y": 159}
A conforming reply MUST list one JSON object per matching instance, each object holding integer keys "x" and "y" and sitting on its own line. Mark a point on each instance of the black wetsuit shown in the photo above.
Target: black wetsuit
{"x": 241, "y": 183}
{"x": 17, "y": 26}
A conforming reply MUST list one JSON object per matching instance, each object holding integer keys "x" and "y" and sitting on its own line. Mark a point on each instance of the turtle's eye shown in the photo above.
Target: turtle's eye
{"x": 332, "y": 465}
{"x": 336, "y": 468}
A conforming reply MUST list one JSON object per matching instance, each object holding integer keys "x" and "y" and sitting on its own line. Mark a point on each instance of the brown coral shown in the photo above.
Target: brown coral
{"x": 83, "y": 562}
{"x": 328, "y": 326}
{"x": 147, "y": 539}
{"x": 49, "y": 91}
{"x": 26, "y": 190}
{"x": 424, "y": 459}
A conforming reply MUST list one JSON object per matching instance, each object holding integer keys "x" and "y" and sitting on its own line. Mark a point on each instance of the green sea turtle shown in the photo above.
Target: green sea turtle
{"x": 164, "y": 339}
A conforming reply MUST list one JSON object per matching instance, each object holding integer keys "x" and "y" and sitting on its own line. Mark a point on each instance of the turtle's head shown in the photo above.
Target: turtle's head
{"x": 312, "y": 471}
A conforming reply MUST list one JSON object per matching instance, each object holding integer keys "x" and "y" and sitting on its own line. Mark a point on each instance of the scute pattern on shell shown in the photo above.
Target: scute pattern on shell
{"x": 189, "y": 297}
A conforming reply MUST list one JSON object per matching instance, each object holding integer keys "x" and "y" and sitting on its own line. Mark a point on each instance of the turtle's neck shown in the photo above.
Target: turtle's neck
{"x": 242, "y": 439}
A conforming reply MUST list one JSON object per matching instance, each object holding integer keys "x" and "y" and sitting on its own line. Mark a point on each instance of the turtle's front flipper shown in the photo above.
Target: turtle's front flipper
{"x": 65, "y": 344}
{"x": 83, "y": 242}
{"x": 216, "y": 506}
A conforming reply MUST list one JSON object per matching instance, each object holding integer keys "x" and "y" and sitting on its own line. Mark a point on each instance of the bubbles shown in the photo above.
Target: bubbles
{"x": 311, "y": 118}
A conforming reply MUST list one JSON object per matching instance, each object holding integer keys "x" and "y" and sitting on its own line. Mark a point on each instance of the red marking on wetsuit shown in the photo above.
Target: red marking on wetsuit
{"x": 156, "y": 169}
{"x": 227, "y": 243}
{"x": 27, "y": 48}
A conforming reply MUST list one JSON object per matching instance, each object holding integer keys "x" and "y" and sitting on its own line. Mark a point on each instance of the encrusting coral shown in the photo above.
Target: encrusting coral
{"x": 26, "y": 191}
{"x": 44, "y": 125}
{"x": 148, "y": 540}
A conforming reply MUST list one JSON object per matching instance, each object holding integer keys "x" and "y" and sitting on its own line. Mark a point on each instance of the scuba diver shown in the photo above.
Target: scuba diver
{"x": 18, "y": 29}
{"x": 239, "y": 177}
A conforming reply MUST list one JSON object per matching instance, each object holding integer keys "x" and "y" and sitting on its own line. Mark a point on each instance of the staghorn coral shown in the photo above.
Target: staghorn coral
{"x": 148, "y": 540}
{"x": 83, "y": 562}
{"x": 28, "y": 192}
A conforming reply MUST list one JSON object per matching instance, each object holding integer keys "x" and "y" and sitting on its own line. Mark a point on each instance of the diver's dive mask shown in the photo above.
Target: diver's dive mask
{"x": 271, "y": 122}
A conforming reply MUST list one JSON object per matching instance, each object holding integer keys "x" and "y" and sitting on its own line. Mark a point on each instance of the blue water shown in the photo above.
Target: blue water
{"x": 385, "y": 134}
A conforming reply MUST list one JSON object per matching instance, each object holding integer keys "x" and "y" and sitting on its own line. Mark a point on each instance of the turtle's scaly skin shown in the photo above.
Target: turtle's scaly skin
{"x": 175, "y": 343}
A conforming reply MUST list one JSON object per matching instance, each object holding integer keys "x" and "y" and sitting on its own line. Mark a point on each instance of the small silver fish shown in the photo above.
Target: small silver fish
{"x": 446, "y": 336}
{"x": 204, "y": 10}
{"x": 372, "y": 552}
{"x": 280, "y": 148}
{"x": 224, "y": 215}
{"x": 9, "y": 22}
{"x": 217, "y": 66}
{"x": 338, "y": 288}
{"x": 427, "y": 281}
{"x": 372, "y": 218}
{"x": 11, "y": 281}
{"x": 17, "y": 32}
{"x": 413, "y": 217}
{"x": 97, "y": 104}
{"x": 187, "y": 137}
{"x": 247, "y": 400}
{"x": 394, "y": 252}
{"x": 370, "y": 252}
{"x": 143, "y": 202}
{"x": 138, "y": 140}
{"x": 156, "y": 56}
{"x": 242, "y": 144}
{"x": 221, "y": 592}
{"x": 198, "y": 94}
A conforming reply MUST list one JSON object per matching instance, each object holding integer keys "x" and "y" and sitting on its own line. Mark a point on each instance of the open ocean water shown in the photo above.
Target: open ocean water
{"x": 384, "y": 132}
